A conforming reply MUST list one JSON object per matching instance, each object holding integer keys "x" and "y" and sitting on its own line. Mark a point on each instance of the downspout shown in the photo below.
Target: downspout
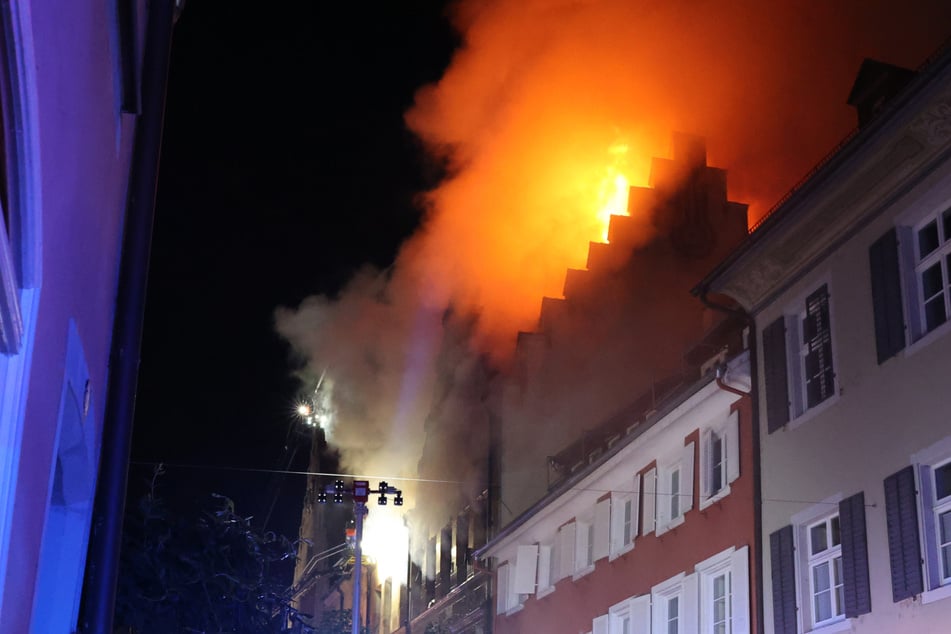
{"x": 102, "y": 565}
{"x": 757, "y": 475}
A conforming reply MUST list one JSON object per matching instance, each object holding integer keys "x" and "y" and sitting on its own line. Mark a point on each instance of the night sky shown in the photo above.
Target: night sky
{"x": 285, "y": 167}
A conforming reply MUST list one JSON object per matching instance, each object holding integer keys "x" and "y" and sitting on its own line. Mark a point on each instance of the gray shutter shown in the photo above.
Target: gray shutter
{"x": 886, "y": 296}
{"x": 782, "y": 560}
{"x": 901, "y": 517}
{"x": 777, "y": 389}
{"x": 855, "y": 578}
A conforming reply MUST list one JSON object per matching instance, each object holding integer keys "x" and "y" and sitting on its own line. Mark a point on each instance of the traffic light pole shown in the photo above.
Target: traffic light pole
{"x": 360, "y": 493}
{"x": 359, "y": 511}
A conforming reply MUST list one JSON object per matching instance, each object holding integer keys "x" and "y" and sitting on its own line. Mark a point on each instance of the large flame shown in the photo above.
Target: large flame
{"x": 386, "y": 542}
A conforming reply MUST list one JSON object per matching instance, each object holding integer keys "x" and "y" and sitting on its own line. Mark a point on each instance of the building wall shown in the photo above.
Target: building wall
{"x": 578, "y": 368}
{"x": 888, "y": 407}
{"x": 723, "y": 525}
{"x": 66, "y": 55}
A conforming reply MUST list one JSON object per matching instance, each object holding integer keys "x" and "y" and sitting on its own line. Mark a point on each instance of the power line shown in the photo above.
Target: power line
{"x": 387, "y": 478}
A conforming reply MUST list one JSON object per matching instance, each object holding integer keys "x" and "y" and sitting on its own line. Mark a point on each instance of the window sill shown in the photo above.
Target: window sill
{"x": 843, "y": 625}
{"x": 621, "y": 551}
{"x": 544, "y": 592}
{"x": 813, "y": 412}
{"x": 583, "y": 572}
{"x": 719, "y": 495}
{"x": 516, "y": 609}
{"x": 927, "y": 339}
{"x": 937, "y": 594}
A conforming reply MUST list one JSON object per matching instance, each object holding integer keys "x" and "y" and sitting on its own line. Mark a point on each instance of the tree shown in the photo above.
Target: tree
{"x": 214, "y": 573}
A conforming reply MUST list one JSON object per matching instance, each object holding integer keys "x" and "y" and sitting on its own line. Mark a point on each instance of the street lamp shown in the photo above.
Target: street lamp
{"x": 360, "y": 492}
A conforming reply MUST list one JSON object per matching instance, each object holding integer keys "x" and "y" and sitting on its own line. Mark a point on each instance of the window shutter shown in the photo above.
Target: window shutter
{"x": 635, "y": 506}
{"x": 774, "y": 375}
{"x": 690, "y": 614}
{"x": 650, "y": 501}
{"x": 733, "y": 446}
{"x": 886, "y": 296}
{"x": 686, "y": 478}
{"x": 782, "y": 561}
{"x": 855, "y": 577}
{"x": 567, "y": 533}
{"x": 706, "y": 469}
{"x": 617, "y": 521}
{"x": 901, "y": 519}
{"x": 502, "y": 600}
{"x": 662, "y": 501}
{"x": 739, "y": 566}
{"x": 600, "y": 625}
{"x": 544, "y": 579}
{"x": 641, "y": 615}
{"x": 929, "y": 528}
{"x": 526, "y": 569}
{"x": 602, "y": 528}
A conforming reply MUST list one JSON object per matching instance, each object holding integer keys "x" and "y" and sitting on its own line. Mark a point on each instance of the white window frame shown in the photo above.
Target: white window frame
{"x": 649, "y": 504}
{"x": 625, "y": 515}
{"x": 675, "y": 490}
{"x": 733, "y": 563}
{"x": 547, "y": 570}
{"x": 937, "y": 582}
{"x": 919, "y": 264}
{"x": 508, "y": 601}
{"x": 831, "y": 558}
{"x": 802, "y": 521}
{"x": 565, "y": 550}
{"x": 728, "y": 433}
{"x": 584, "y": 547}
{"x": 683, "y": 588}
{"x": 796, "y": 351}
{"x": 635, "y": 612}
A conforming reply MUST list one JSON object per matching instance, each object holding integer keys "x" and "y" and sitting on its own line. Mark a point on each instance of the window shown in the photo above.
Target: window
{"x": 566, "y": 550}
{"x": 631, "y": 616}
{"x": 942, "y": 518}
{"x": 724, "y": 592}
{"x": 675, "y": 490}
{"x": 917, "y": 257}
{"x": 674, "y": 605}
{"x": 547, "y": 570}
{"x": 799, "y": 371}
{"x": 649, "y": 523}
{"x": 719, "y": 459}
{"x": 508, "y": 600}
{"x": 624, "y": 519}
{"x": 825, "y": 570}
{"x": 930, "y": 500}
{"x": 932, "y": 241}
{"x": 826, "y": 548}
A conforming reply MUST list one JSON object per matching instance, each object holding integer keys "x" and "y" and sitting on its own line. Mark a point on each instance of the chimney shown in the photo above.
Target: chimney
{"x": 875, "y": 84}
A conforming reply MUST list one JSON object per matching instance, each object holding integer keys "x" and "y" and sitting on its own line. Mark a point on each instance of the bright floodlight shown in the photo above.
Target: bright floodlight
{"x": 303, "y": 409}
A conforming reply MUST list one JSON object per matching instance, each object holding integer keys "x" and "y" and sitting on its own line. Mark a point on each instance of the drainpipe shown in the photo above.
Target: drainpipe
{"x": 759, "y": 625}
{"x": 102, "y": 567}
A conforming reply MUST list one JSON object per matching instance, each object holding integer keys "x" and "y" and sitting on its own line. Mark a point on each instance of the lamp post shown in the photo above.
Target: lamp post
{"x": 360, "y": 492}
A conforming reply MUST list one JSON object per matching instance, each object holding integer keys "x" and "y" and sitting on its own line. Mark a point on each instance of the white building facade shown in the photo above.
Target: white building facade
{"x": 849, "y": 284}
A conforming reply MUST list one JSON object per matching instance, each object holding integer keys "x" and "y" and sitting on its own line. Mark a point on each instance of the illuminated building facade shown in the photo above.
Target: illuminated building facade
{"x": 653, "y": 528}
{"x": 81, "y": 119}
{"x": 847, "y": 282}
{"x": 621, "y": 468}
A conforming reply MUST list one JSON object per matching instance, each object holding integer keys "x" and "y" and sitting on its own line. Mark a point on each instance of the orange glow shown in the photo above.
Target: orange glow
{"x": 541, "y": 90}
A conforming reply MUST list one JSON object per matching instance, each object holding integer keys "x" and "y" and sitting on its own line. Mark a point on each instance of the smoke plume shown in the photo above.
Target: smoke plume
{"x": 546, "y": 102}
